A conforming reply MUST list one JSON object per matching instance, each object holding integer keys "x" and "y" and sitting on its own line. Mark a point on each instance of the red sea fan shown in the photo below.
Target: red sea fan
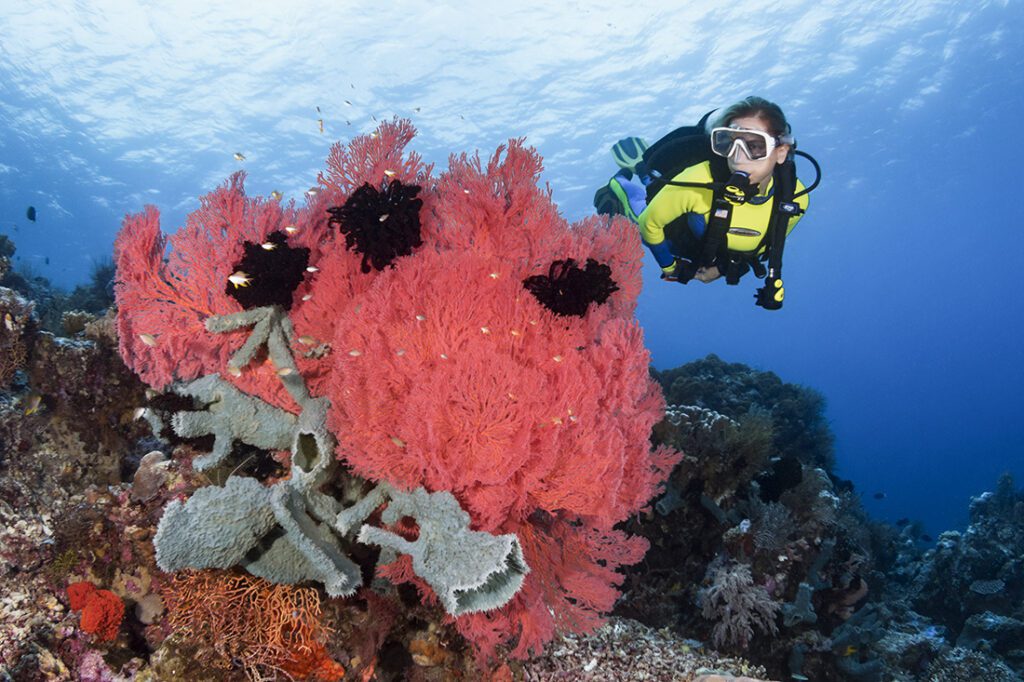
{"x": 452, "y": 376}
{"x": 373, "y": 158}
{"x": 163, "y": 305}
{"x": 160, "y": 321}
{"x": 442, "y": 368}
{"x": 500, "y": 210}
{"x": 573, "y": 579}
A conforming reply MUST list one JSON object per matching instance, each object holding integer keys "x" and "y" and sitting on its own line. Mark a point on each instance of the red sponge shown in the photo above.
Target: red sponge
{"x": 102, "y": 610}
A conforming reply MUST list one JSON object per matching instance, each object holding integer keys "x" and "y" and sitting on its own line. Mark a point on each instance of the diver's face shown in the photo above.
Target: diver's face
{"x": 761, "y": 169}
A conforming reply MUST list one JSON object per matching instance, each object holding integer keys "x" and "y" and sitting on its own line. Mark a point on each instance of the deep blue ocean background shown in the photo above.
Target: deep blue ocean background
{"x": 903, "y": 306}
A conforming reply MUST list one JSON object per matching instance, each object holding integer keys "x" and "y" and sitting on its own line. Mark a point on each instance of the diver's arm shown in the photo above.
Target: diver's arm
{"x": 667, "y": 205}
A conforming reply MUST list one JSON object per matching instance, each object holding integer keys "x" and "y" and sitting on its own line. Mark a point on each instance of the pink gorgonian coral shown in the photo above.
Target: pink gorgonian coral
{"x": 468, "y": 338}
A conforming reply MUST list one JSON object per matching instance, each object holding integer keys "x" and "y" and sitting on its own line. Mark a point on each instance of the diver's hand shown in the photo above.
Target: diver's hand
{"x": 671, "y": 273}
{"x": 771, "y": 294}
{"x": 681, "y": 271}
{"x": 708, "y": 274}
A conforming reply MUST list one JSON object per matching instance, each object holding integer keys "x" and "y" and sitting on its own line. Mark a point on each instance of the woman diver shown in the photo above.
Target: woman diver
{"x": 715, "y": 199}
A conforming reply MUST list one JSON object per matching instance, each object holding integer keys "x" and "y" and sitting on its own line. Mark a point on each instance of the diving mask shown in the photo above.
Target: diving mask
{"x": 756, "y": 144}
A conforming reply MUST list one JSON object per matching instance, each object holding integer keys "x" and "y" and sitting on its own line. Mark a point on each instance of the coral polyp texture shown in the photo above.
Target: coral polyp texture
{"x": 452, "y": 340}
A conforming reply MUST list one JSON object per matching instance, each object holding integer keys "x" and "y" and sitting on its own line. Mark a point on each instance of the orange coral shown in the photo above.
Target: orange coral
{"x": 77, "y": 592}
{"x": 245, "y": 618}
{"x": 102, "y": 610}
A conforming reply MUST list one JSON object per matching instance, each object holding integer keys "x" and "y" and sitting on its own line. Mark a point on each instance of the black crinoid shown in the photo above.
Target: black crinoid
{"x": 268, "y": 273}
{"x": 568, "y": 289}
{"x": 380, "y": 224}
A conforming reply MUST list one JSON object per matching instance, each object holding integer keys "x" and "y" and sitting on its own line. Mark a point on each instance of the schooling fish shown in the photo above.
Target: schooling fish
{"x": 239, "y": 279}
{"x": 30, "y": 213}
{"x": 879, "y": 496}
{"x": 239, "y": 156}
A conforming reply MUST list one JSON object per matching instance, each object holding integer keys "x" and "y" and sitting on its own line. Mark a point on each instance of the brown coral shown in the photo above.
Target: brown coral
{"x": 16, "y": 313}
{"x": 239, "y": 617}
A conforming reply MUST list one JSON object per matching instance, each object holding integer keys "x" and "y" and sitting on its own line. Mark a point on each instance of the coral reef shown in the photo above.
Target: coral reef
{"x": 972, "y": 583}
{"x": 799, "y": 428}
{"x": 624, "y": 650}
{"x": 17, "y": 314}
{"x": 755, "y": 546}
{"x": 490, "y": 399}
{"x": 737, "y": 606}
{"x": 405, "y": 432}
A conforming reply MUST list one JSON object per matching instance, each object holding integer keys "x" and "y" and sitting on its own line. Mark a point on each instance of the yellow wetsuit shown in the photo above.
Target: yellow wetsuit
{"x": 749, "y": 220}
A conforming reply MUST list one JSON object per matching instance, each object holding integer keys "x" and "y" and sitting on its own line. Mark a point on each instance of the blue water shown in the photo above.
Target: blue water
{"x": 903, "y": 304}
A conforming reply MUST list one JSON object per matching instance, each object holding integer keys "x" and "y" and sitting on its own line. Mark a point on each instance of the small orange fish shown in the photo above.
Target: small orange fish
{"x": 239, "y": 156}
{"x": 276, "y": 196}
{"x": 239, "y": 279}
{"x": 268, "y": 246}
{"x": 148, "y": 339}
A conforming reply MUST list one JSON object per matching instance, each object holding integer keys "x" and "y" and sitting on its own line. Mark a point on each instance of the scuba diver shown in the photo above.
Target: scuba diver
{"x": 716, "y": 199}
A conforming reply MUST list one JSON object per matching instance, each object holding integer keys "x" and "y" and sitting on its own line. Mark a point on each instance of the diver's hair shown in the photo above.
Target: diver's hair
{"x": 770, "y": 112}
